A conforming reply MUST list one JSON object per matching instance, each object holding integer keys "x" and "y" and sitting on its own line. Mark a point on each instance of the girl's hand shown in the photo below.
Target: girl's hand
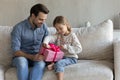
{"x": 46, "y": 45}
{"x": 61, "y": 47}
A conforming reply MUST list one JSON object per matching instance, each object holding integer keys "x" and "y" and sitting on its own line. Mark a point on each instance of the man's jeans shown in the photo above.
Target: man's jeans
{"x": 23, "y": 73}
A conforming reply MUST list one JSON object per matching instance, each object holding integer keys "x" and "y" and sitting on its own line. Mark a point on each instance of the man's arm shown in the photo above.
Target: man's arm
{"x": 46, "y": 30}
{"x": 16, "y": 44}
{"x": 36, "y": 57}
{"x": 21, "y": 53}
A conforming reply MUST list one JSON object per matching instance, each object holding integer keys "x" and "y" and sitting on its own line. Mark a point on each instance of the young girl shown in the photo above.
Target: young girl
{"x": 68, "y": 43}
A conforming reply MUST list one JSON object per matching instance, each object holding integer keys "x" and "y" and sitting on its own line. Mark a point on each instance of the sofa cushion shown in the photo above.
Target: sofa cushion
{"x": 83, "y": 70}
{"x": 96, "y": 41}
{"x": 11, "y": 74}
{"x": 51, "y": 30}
{"x": 5, "y": 45}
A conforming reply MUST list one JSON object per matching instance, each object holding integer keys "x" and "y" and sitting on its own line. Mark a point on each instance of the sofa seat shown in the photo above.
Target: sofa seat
{"x": 84, "y": 70}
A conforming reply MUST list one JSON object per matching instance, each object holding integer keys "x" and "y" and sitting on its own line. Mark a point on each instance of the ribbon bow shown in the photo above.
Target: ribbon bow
{"x": 54, "y": 47}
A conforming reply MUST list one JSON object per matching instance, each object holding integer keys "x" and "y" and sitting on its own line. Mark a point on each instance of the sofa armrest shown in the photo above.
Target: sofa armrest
{"x": 117, "y": 59}
{"x": 2, "y": 72}
{"x": 116, "y": 34}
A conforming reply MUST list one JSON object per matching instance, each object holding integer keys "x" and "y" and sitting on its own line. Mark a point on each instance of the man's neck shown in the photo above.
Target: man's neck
{"x": 31, "y": 22}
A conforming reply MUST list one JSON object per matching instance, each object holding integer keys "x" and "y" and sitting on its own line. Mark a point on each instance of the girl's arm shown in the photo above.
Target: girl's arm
{"x": 75, "y": 46}
{"x": 50, "y": 39}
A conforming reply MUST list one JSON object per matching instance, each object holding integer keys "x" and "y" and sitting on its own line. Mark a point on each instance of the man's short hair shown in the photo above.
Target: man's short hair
{"x": 38, "y": 8}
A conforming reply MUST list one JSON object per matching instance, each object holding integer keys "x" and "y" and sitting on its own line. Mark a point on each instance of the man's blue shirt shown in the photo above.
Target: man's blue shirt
{"x": 27, "y": 39}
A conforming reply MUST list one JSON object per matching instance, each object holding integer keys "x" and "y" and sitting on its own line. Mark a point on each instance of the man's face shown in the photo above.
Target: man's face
{"x": 39, "y": 20}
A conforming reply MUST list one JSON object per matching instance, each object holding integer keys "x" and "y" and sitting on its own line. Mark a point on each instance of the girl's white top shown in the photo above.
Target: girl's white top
{"x": 71, "y": 44}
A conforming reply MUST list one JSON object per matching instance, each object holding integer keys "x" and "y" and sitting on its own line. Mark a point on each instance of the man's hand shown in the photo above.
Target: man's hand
{"x": 38, "y": 57}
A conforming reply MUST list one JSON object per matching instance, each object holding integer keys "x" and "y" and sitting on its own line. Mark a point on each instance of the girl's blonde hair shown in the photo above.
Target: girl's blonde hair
{"x": 62, "y": 20}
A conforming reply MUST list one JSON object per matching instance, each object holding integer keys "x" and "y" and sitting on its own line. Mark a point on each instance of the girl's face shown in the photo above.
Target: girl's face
{"x": 61, "y": 28}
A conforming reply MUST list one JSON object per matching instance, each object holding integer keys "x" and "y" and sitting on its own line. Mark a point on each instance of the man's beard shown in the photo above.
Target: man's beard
{"x": 35, "y": 25}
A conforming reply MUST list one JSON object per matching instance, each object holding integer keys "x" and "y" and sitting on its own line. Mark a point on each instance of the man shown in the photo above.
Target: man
{"x": 27, "y": 37}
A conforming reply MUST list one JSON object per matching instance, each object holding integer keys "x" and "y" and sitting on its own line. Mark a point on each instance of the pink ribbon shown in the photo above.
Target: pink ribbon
{"x": 54, "y": 47}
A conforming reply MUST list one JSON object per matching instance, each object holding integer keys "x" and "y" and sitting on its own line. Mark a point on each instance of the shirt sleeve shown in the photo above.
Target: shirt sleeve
{"x": 46, "y": 30}
{"x": 50, "y": 39}
{"x": 16, "y": 39}
{"x": 45, "y": 27}
{"x": 75, "y": 46}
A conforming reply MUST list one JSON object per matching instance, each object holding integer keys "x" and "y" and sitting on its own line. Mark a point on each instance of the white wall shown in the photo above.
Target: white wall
{"x": 77, "y": 11}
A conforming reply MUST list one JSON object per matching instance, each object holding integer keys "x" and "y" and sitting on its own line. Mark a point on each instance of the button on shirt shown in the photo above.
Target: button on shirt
{"x": 27, "y": 39}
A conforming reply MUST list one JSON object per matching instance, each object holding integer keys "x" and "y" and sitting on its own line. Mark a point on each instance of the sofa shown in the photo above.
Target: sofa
{"x": 99, "y": 59}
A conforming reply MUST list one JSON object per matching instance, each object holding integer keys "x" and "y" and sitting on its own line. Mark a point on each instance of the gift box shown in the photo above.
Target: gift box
{"x": 52, "y": 54}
